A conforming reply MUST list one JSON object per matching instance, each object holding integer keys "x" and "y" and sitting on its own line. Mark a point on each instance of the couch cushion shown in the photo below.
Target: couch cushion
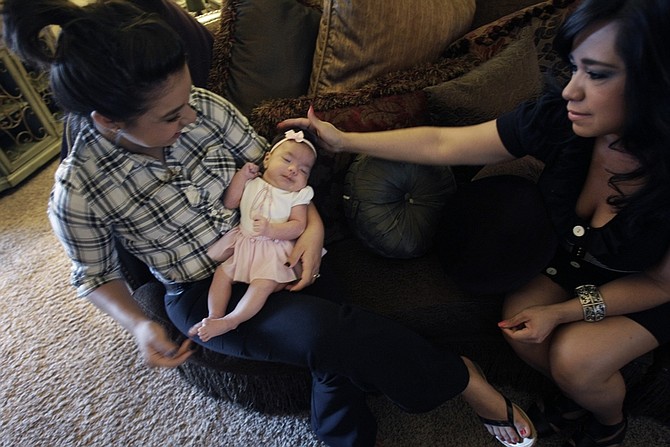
{"x": 361, "y": 108}
{"x": 496, "y": 235}
{"x": 394, "y": 207}
{"x": 263, "y": 49}
{"x": 328, "y": 173}
{"x": 543, "y": 18}
{"x": 489, "y": 90}
{"x": 397, "y": 99}
{"x": 488, "y": 11}
{"x": 359, "y": 40}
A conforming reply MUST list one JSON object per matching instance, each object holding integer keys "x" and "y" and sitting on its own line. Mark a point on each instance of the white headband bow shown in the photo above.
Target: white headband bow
{"x": 298, "y": 137}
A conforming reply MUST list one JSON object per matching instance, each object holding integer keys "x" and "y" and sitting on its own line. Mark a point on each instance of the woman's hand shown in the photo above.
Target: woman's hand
{"x": 308, "y": 251}
{"x": 330, "y": 138}
{"x": 157, "y": 349}
{"x": 155, "y": 346}
{"x": 531, "y": 325}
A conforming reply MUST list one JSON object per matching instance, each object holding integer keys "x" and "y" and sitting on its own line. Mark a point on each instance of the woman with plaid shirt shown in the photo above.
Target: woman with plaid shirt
{"x": 148, "y": 167}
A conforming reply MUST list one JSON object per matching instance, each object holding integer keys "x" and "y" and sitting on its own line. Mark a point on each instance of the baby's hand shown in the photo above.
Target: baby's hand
{"x": 261, "y": 226}
{"x": 249, "y": 170}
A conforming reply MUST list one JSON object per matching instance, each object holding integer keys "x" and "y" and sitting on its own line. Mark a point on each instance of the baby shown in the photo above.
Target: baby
{"x": 273, "y": 213}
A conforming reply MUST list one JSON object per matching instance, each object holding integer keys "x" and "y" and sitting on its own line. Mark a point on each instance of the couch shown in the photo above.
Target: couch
{"x": 483, "y": 57}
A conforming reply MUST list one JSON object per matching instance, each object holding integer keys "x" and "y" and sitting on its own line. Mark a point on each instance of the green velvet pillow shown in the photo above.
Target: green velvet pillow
{"x": 489, "y": 90}
{"x": 263, "y": 50}
{"x": 393, "y": 207}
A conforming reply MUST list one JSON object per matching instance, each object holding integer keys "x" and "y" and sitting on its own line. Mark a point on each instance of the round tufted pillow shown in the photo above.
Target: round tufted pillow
{"x": 393, "y": 207}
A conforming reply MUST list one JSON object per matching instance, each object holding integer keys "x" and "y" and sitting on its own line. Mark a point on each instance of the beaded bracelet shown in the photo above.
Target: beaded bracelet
{"x": 593, "y": 305}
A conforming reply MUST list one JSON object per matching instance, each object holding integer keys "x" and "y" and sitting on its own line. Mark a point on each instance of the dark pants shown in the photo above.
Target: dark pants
{"x": 348, "y": 350}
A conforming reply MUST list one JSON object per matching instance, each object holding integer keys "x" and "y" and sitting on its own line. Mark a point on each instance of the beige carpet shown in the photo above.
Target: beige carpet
{"x": 70, "y": 377}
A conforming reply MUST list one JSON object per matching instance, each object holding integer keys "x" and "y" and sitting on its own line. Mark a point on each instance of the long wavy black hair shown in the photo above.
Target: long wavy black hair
{"x": 642, "y": 43}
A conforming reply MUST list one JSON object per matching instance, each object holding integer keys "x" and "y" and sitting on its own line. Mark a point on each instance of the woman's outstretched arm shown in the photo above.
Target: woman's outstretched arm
{"x": 468, "y": 145}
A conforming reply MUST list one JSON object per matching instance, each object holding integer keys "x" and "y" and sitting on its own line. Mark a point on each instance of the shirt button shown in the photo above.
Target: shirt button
{"x": 578, "y": 231}
{"x": 575, "y": 264}
{"x": 551, "y": 271}
{"x": 192, "y": 195}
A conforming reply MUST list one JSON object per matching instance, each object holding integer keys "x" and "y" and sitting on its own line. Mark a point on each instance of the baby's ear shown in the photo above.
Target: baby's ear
{"x": 265, "y": 160}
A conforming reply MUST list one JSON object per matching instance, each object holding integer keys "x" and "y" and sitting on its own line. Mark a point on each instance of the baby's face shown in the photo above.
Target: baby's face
{"x": 288, "y": 166}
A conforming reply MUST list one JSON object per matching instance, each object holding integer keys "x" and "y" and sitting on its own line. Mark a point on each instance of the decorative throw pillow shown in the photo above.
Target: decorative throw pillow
{"x": 263, "y": 50}
{"x": 329, "y": 171}
{"x": 495, "y": 235}
{"x": 489, "y": 90}
{"x": 394, "y": 208}
{"x": 359, "y": 40}
{"x": 398, "y": 99}
{"x": 497, "y": 9}
{"x": 543, "y": 18}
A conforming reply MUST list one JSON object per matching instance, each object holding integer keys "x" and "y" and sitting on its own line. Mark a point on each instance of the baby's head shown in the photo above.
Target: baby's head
{"x": 289, "y": 162}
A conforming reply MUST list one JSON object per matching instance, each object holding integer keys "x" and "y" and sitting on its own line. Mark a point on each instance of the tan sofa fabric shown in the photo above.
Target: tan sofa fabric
{"x": 359, "y": 40}
{"x": 489, "y": 90}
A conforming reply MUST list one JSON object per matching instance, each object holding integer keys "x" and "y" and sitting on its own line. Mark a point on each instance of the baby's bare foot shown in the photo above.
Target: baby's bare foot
{"x": 195, "y": 329}
{"x": 212, "y": 327}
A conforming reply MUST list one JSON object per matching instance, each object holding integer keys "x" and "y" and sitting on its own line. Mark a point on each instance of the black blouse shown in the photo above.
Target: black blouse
{"x": 543, "y": 130}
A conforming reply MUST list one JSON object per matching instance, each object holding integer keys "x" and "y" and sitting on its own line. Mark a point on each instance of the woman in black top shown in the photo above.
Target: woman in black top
{"x": 151, "y": 158}
{"x": 603, "y": 299}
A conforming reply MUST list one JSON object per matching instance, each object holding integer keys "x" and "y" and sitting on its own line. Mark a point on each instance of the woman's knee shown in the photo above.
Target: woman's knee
{"x": 570, "y": 372}
{"x": 574, "y": 363}
{"x": 582, "y": 353}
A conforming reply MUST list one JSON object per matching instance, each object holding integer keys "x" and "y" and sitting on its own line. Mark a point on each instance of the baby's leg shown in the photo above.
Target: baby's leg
{"x": 219, "y": 252}
{"x": 252, "y": 301}
{"x": 219, "y": 293}
{"x": 217, "y": 299}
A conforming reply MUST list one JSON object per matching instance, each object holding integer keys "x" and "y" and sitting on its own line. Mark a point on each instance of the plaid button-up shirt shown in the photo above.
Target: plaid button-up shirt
{"x": 165, "y": 214}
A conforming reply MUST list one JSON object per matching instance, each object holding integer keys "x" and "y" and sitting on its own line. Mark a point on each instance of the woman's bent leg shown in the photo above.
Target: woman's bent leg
{"x": 589, "y": 372}
{"x": 340, "y": 415}
{"x": 369, "y": 351}
{"x": 539, "y": 291}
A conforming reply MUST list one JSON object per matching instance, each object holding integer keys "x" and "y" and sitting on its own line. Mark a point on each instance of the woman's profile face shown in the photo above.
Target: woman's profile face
{"x": 162, "y": 123}
{"x": 595, "y": 93}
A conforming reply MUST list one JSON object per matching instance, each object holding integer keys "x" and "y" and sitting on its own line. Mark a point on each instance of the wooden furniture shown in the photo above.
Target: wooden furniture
{"x": 30, "y": 128}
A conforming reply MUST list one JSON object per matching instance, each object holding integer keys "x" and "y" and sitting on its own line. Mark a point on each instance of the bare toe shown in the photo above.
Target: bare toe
{"x": 516, "y": 430}
{"x": 194, "y": 329}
